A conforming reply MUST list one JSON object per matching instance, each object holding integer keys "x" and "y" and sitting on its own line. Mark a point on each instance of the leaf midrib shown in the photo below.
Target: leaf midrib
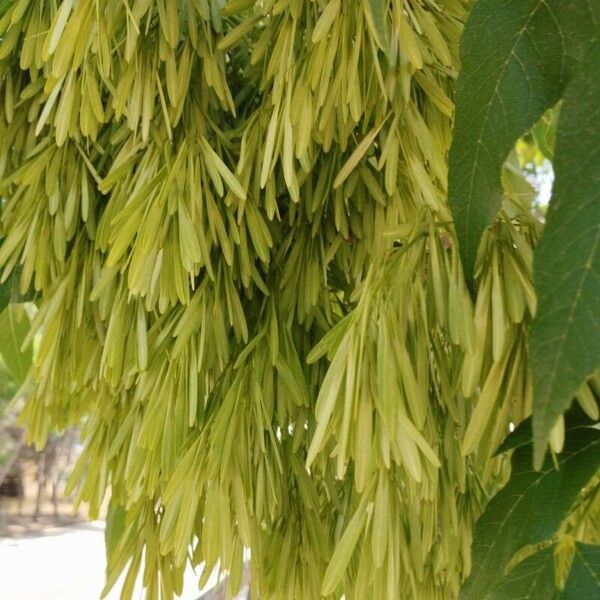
{"x": 587, "y": 565}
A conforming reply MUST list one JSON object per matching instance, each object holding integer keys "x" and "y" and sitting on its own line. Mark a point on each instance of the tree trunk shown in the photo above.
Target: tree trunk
{"x": 7, "y": 466}
{"x": 41, "y": 484}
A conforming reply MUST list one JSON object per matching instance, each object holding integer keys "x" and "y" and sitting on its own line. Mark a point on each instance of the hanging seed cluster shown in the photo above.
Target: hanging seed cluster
{"x": 234, "y": 216}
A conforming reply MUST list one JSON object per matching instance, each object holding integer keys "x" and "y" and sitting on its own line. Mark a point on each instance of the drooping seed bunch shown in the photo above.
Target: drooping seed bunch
{"x": 249, "y": 288}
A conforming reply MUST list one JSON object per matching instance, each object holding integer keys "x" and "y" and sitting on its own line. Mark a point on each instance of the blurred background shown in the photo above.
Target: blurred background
{"x": 49, "y": 550}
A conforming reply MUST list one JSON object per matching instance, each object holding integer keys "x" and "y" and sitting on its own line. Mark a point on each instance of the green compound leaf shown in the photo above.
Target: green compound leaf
{"x": 529, "y": 509}
{"x": 565, "y": 336}
{"x": 516, "y": 58}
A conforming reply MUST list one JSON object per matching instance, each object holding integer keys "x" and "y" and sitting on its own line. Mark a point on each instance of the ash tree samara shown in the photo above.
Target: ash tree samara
{"x": 292, "y": 322}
